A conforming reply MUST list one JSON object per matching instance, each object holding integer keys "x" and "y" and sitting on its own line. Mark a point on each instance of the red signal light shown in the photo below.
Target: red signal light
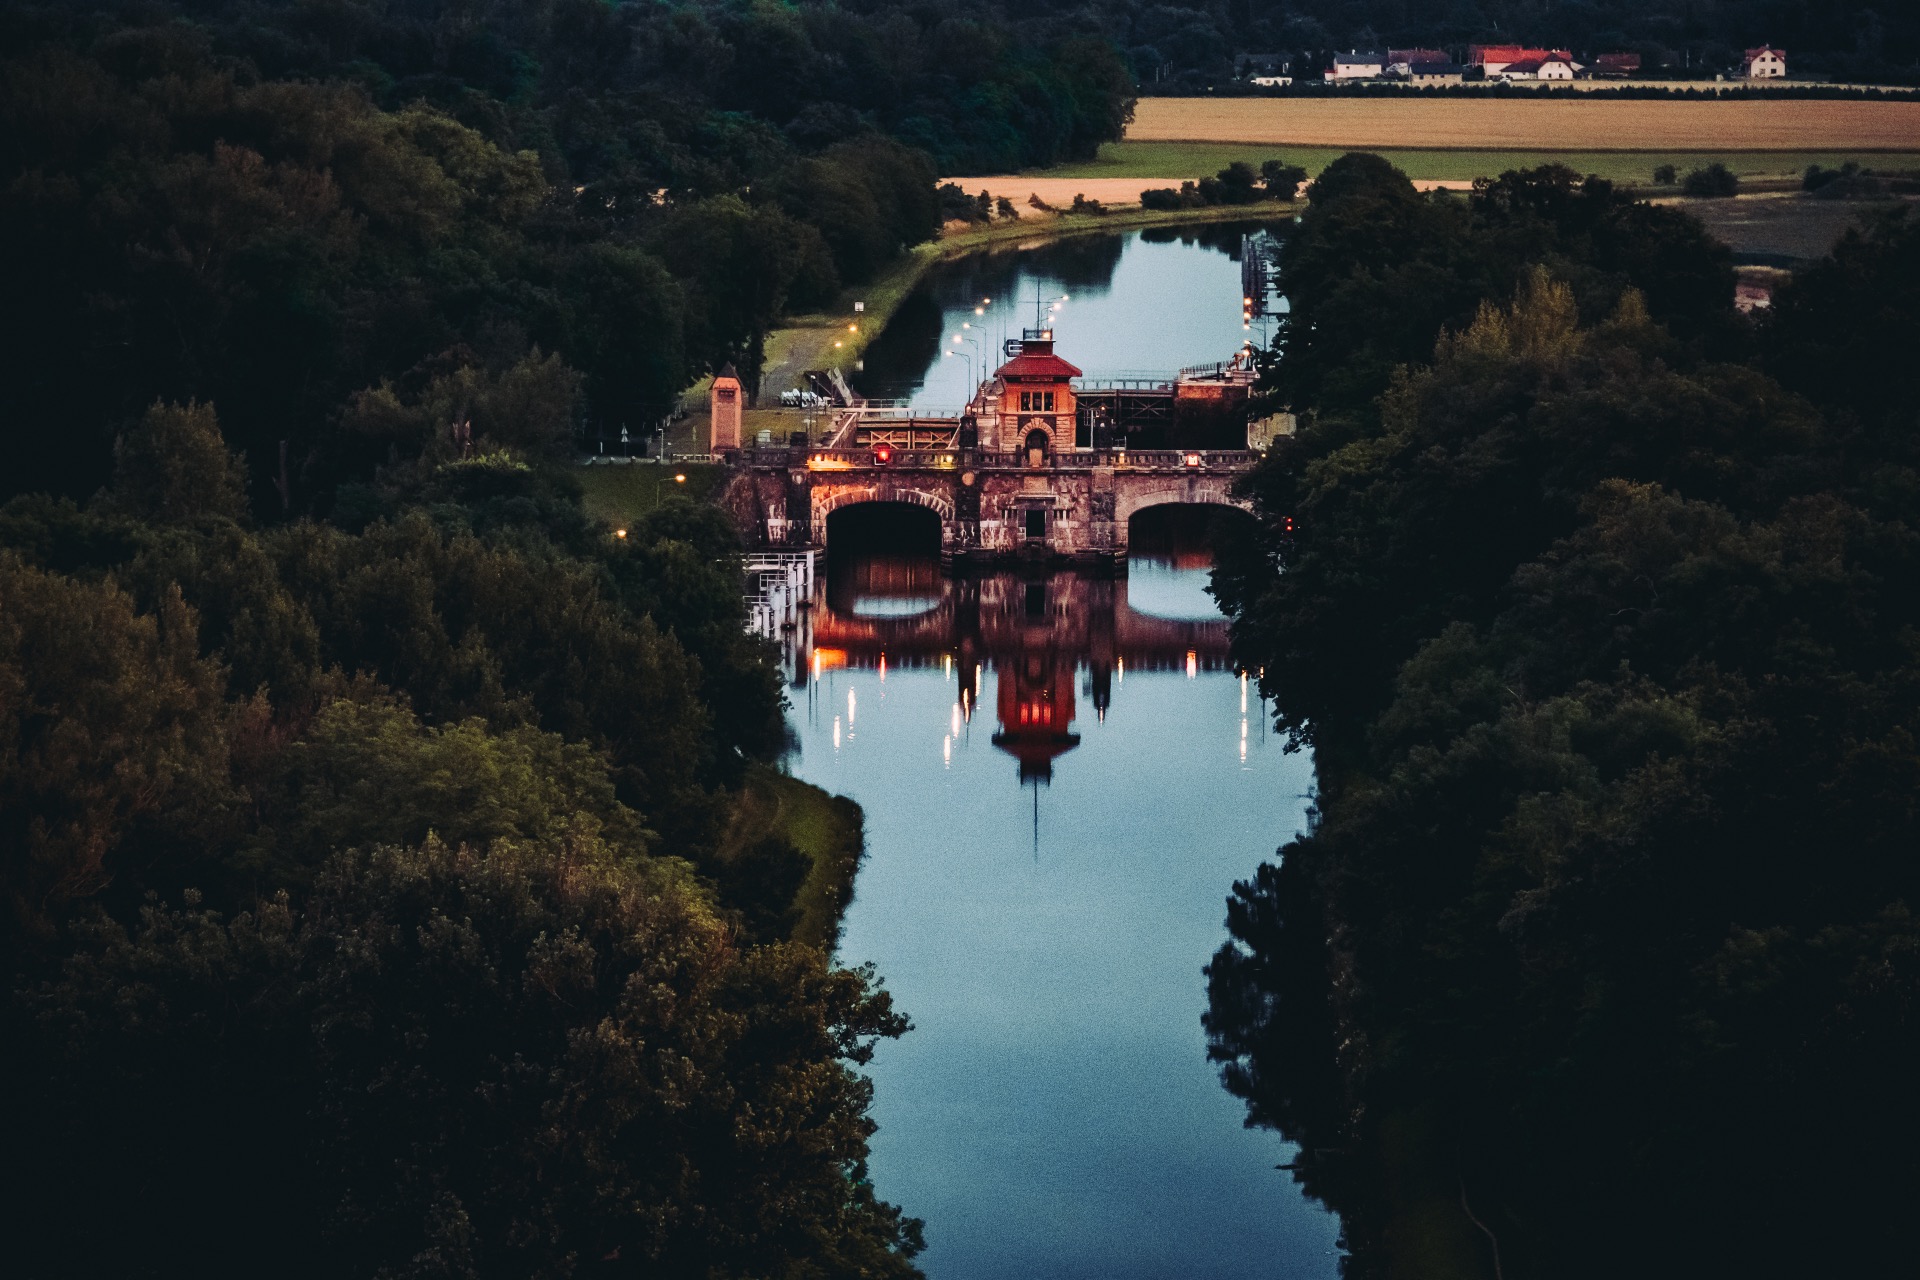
{"x": 883, "y": 455}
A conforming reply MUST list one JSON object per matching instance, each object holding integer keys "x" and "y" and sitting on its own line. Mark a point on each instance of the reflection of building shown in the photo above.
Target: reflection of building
{"x": 1049, "y": 638}
{"x": 1034, "y": 700}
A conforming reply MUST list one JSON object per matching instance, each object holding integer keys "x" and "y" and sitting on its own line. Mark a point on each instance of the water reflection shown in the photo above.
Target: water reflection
{"x": 1144, "y": 302}
{"x": 1053, "y": 1114}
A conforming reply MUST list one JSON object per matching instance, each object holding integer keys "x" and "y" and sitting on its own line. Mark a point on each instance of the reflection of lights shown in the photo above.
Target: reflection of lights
{"x": 946, "y": 665}
{"x": 1243, "y": 742}
{"x": 836, "y": 733}
{"x": 954, "y": 719}
{"x": 1120, "y": 669}
{"x": 825, "y": 659}
{"x": 976, "y": 682}
{"x": 1243, "y": 702}
{"x": 946, "y": 751}
{"x": 850, "y": 697}
{"x": 1193, "y": 669}
{"x": 883, "y": 668}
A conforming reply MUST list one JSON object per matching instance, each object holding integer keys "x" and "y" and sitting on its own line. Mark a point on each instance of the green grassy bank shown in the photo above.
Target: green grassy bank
{"x": 1194, "y": 159}
{"x": 828, "y": 829}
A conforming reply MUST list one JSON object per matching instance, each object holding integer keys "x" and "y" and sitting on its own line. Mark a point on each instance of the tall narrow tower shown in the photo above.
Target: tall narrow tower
{"x": 724, "y": 408}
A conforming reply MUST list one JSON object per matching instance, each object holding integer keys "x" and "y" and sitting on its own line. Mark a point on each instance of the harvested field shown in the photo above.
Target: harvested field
{"x": 1552, "y": 124}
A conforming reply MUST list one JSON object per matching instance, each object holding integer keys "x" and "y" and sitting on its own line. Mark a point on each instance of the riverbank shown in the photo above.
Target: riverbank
{"x": 836, "y": 339}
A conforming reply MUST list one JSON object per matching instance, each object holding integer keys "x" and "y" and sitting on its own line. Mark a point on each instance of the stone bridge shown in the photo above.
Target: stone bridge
{"x": 1073, "y": 505}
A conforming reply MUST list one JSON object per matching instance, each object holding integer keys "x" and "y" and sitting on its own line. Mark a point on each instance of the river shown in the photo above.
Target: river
{"x": 1062, "y": 777}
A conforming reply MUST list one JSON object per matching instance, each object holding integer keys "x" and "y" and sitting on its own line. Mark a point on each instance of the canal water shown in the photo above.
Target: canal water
{"x": 1143, "y": 303}
{"x": 1062, "y": 777}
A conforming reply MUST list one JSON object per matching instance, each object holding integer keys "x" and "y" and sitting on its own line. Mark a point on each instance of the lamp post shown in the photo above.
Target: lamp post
{"x": 973, "y": 384}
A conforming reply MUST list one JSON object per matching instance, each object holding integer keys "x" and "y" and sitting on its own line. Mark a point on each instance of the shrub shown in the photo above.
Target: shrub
{"x": 1665, "y": 175}
{"x": 1716, "y": 181}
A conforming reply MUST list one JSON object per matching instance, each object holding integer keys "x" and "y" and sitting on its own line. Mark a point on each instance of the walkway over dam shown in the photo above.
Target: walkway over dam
{"x": 1039, "y": 465}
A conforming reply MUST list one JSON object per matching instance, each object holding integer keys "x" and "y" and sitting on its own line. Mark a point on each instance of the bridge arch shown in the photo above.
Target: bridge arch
{"x": 1206, "y": 492}
{"x": 828, "y": 499}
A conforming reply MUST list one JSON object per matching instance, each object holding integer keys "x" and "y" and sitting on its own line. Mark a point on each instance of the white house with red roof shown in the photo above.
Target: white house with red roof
{"x": 1764, "y": 63}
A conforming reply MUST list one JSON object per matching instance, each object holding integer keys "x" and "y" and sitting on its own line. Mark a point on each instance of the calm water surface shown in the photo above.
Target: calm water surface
{"x": 1062, "y": 778}
{"x": 1146, "y": 302}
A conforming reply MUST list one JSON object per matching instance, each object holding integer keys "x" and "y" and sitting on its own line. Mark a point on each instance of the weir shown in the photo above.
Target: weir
{"x": 1041, "y": 464}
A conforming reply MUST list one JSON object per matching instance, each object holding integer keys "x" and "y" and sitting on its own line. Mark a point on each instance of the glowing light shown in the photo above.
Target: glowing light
{"x": 883, "y": 668}
{"x": 816, "y": 664}
{"x": 681, "y": 478}
{"x": 1120, "y": 669}
{"x": 837, "y": 344}
{"x": 1193, "y": 669}
{"x": 619, "y": 533}
{"x": 853, "y": 328}
{"x": 850, "y": 700}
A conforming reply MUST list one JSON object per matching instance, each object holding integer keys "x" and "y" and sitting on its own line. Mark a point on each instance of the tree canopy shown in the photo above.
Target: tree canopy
{"x": 1596, "y": 603}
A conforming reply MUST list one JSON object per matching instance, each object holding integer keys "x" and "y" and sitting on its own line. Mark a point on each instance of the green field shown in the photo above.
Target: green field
{"x": 1194, "y": 159}
{"x": 620, "y": 495}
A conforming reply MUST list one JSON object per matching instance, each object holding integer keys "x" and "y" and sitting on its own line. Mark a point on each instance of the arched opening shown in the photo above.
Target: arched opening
{"x": 1036, "y": 448}
{"x": 1170, "y": 557}
{"x": 883, "y": 559}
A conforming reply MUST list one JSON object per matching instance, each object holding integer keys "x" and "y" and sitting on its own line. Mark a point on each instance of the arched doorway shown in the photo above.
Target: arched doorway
{"x": 1036, "y": 447}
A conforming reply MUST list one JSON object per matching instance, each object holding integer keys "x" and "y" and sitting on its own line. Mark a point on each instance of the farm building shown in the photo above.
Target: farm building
{"x": 1434, "y": 73}
{"x": 1537, "y": 69}
{"x": 1616, "y": 65}
{"x": 1764, "y": 63}
{"x": 1357, "y": 66}
{"x": 1400, "y": 62}
{"x": 1495, "y": 58}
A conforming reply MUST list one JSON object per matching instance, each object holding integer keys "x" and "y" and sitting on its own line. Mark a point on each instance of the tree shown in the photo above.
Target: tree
{"x": 534, "y": 1058}
{"x": 115, "y": 742}
{"x": 174, "y": 468}
{"x": 1715, "y": 181}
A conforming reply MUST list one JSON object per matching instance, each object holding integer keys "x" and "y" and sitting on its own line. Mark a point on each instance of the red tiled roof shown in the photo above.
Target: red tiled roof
{"x": 1765, "y": 48}
{"x": 1515, "y": 53}
{"x": 1048, "y": 366}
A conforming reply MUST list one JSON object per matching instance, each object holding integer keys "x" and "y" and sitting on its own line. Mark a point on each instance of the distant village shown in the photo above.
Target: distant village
{"x": 1484, "y": 63}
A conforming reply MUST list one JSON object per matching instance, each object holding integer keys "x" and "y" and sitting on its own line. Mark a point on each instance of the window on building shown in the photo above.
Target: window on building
{"x": 1036, "y": 402}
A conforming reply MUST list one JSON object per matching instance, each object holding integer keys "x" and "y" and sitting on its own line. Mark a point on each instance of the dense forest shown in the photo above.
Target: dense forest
{"x": 1186, "y": 48}
{"x": 376, "y": 890}
{"x": 340, "y": 223}
{"x": 1598, "y": 604}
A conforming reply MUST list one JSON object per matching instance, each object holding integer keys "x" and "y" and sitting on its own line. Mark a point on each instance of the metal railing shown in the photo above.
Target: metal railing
{"x": 779, "y": 586}
{"x": 948, "y": 459}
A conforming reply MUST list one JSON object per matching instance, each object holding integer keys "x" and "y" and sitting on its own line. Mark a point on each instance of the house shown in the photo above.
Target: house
{"x": 1253, "y": 66}
{"x": 1764, "y": 63}
{"x": 1492, "y": 59}
{"x": 1616, "y": 66}
{"x": 1420, "y": 73}
{"x": 1357, "y": 66}
{"x": 1270, "y": 82}
{"x": 1400, "y": 62}
{"x": 1537, "y": 69}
